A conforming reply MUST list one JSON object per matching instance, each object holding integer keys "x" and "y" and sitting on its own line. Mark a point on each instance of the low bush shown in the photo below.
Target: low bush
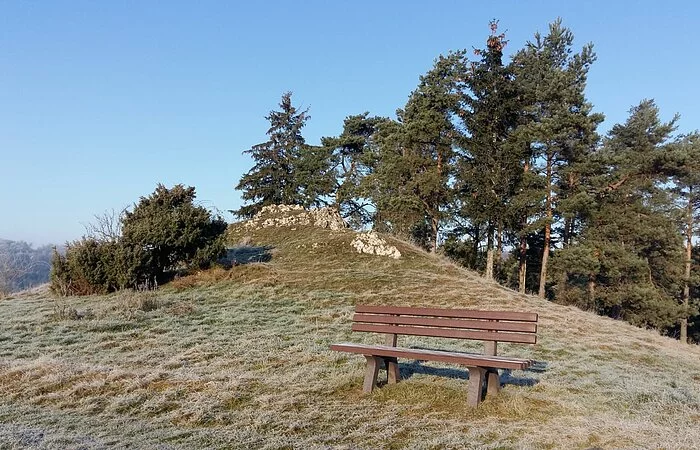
{"x": 165, "y": 233}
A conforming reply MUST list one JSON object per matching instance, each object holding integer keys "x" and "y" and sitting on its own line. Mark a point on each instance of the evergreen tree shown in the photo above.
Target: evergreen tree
{"x": 410, "y": 185}
{"x": 685, "y": 165}
{"x": 286, "y": 170}
{"x": 353, "y": 155}
{"x": 167, "y": 231}
{"x": 559, "y": 130}
{"x": 627, "y": 261}
{"x": 490, "y": 169}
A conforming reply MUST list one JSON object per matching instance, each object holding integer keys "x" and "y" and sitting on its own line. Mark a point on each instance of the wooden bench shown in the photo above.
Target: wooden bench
{"x": 488, "y": 326}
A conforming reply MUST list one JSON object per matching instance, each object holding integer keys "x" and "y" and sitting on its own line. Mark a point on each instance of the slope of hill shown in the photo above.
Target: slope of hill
{"x": 240, "y": 358}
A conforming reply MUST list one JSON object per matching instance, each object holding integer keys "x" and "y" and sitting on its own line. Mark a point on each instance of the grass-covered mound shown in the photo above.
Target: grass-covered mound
{"x": 240, "y": 359}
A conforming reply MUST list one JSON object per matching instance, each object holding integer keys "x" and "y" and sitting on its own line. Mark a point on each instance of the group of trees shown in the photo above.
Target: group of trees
{"x": 164, "y": 233}
{"x": 22, "y": 266}
{"x": 500, "y": 164}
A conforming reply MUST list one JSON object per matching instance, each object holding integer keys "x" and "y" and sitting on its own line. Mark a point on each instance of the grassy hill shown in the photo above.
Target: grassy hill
{"x": 240, "y": 359}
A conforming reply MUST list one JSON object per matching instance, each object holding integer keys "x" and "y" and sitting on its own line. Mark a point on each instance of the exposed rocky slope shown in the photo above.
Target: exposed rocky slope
{"x": 291, "y": 216}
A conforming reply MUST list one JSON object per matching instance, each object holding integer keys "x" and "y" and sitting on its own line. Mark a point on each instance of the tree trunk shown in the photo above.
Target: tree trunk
{"x": 567, "y": 231}
{"x": 434, "y": 226}
{"x": 572, "y": 227}
{"x": 489, "y": 252}
{"x": 522, "y": 264}
{"x": 545, "y": 259}
{"x": 498, "y": 255}
{"x": 569, "y": 222}
{"x": 547, "y": 229}
{"x": 522, "y": 257}
{"x": 475, "y": 249}
{"x": 591, "y": 292}
{"x": 688, "y": 258}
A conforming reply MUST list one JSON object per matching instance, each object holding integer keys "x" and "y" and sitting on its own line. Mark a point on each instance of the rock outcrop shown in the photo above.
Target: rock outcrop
{"x": 292, "y": 216}
{"x": 295, "y": 215}
{"x": 372, "y": 244}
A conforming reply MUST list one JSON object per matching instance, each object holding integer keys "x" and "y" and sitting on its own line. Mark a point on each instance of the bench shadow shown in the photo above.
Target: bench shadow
{"x": 417, "y": 367}
{"x": 246, "y": 254}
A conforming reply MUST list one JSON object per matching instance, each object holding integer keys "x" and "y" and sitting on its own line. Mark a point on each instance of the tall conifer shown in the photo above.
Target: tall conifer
{"x": 490, "y": 170}
{"x": 411, "y": 182}
{"x": 686, "y": 178}
{"x": 560, "y": 126}
{"x": 286, "y": 169}
{"x": 354, "y": 154}
{"x": 627, "y": 263}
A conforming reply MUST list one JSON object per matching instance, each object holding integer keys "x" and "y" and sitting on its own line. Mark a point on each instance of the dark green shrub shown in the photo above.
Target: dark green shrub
{"x": 164, "y": 233}
{"x": 168, "y": 232}
{"x": 90, "y": 267}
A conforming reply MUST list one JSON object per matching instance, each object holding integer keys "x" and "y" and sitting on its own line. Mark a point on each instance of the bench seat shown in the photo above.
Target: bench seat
{"x": 464, "y": 359}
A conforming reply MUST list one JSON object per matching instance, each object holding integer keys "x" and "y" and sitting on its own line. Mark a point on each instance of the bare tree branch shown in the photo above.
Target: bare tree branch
{"x": 107, "y": 227}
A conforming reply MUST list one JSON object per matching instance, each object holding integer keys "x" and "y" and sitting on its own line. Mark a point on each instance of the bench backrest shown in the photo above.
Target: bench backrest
{"x": 487, "y": 326}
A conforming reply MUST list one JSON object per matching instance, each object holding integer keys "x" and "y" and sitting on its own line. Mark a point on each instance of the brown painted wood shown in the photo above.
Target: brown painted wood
{"x": 390, "y": 340}
{"x": 526, "y": 327}
{"x": 453, "y": 313}
{"x": 476, "y": 385}
{"x": 465, "y": 359}
{"x": 392, "y": 370}
{"x": 521, "y": 338}
{"x": 488, "y": 326}
{"x": 371, "y": 373}
{"x": 493, "y": 382}
{"x": 490, "y": 348}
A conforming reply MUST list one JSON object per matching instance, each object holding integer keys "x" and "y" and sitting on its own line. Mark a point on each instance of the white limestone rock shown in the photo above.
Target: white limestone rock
{"x": 372, "y": 244}
{"x": 295, "y": 215}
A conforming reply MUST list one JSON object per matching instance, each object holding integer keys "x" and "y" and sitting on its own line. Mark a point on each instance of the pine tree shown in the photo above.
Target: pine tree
{"x": 410, "y": 185}
{"x": 559, "y": 130}
{"x": 353, "y": 154}
{"x": 286, "y": 170}
{"x": 685, "y": 166}
{"x": 627, "y": 261}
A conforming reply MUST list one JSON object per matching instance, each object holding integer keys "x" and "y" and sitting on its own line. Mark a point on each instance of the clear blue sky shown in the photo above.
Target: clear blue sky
{"x": 100, "y": 101}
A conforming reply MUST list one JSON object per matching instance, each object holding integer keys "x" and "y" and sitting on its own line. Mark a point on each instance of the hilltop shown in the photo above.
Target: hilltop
{"x": 239, "y": 358}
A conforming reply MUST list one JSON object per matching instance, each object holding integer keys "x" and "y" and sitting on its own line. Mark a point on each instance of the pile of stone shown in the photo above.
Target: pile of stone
{"x": 372, "y": 244}
{"x": 296, "y": 215}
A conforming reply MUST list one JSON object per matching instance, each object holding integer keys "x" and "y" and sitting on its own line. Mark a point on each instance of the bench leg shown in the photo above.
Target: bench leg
{"x": 392, "y": 370}
{"x": 476, "y": 384}
{"x": 493, "y": 382}
{"x": 371, "y": 372}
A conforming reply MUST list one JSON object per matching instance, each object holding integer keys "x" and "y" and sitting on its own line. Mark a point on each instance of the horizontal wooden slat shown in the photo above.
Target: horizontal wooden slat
{"x": 452, "y": 313}
{"x": 464, "y": 359}
{"x": 446, "y": 332}
{"x": 523, "y": 327}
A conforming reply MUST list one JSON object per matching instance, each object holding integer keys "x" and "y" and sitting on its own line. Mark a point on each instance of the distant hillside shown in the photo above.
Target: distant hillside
{"x": 23, "y": 266}
{"x": 239, "y": 358}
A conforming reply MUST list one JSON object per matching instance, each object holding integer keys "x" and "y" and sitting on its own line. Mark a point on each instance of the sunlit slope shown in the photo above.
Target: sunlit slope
{"x": 240, "y": 358}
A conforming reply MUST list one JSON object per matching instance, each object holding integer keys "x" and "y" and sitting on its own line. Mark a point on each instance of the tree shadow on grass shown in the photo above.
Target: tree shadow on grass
{"x": 246, "y": 254}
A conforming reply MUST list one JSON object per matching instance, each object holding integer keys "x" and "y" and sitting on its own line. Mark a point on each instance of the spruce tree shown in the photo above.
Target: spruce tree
{"x": 490, "y": 169}
{"x": 286, "y": 169}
